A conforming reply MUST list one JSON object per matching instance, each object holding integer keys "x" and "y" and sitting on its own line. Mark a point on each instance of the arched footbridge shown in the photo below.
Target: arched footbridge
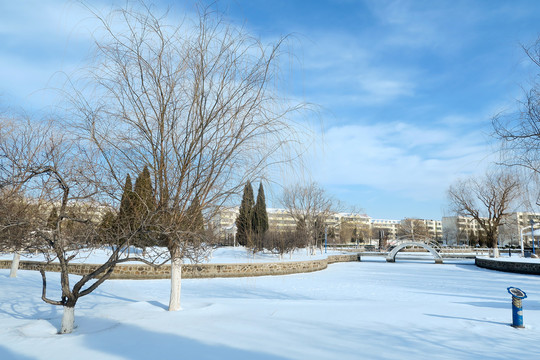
{"x": 430, "y": 246}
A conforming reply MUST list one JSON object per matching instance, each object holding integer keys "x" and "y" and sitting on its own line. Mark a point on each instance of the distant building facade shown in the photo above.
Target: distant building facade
{"x": 451, "y": 230}
{"x": 518, "y": 224}
{"x": 385, "y": 228}
{"x": 464, "y": 230}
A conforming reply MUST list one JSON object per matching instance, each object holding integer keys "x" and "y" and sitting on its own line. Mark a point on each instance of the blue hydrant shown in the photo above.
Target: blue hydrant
{"x": 517, "y": 308}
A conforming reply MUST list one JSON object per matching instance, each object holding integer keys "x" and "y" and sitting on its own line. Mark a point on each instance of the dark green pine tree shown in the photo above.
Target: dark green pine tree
{"x": 52, "y": 219}
{"x": 144, "y": 205}
{"x": 126, "y": 214}
{"x": 108, "y": 227}
{"x": 260, "y": 216}
{"x": 145, "y": 202}
{"x": 195, "y": 214}
{"x": 245, "y": 216}
{"x": 193, "y": 221}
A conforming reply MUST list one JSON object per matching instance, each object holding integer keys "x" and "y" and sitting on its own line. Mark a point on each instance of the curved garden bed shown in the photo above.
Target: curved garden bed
{"x": 528, "y": 266}
{"x": 194, "y": 271}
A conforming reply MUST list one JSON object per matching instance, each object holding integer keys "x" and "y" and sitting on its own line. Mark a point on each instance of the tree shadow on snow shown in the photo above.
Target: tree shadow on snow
{"x": 468, "y": 319}
{"x": 109, "y": 295}
{"x": 527, "y": 304}
{"x": 29, "y": 313}
{"x": 8, "y": 354}
{"x": 489, "y": 304}
{"x": 472, "y": 296}
{"x": 133, "y": 342}
{"x": 158, "y": 304}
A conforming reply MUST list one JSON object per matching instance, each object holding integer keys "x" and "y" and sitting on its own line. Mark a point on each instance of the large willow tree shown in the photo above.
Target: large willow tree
{"x": 198, "y": 103}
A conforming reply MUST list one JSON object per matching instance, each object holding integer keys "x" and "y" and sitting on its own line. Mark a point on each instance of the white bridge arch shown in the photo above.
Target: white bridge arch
{"x": 391, "y": 257}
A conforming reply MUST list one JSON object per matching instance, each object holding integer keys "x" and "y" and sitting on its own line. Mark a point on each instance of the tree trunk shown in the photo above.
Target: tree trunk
{"x": 68, "y": 320}
{"x": 495, "y": 247}
{"x": 15, "y": 265}
{"x": 176, "y": 283}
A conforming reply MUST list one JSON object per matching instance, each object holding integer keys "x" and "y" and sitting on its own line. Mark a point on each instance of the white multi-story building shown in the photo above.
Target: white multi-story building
{"x": 434, "y": 228}
{"x": 516, "y": 224}
{"x": 461, "y": 229}
{"x": 224, "y": 222}
{"x": 389, "y": 227}
{"x": 458, "y": 230}
{"x": 281, "y": 220}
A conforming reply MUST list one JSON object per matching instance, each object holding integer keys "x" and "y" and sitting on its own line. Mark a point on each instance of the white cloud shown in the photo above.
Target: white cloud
{"x": 416, "y": 161}
{"x": 342, "y": 69}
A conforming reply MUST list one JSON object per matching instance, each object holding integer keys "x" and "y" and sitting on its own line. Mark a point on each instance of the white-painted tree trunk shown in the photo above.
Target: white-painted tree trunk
{"x": 15, "y": 265}
{"x": 496, "y": 252}
{"x": 176, "y": 284}
{"x": 68, "y": 320}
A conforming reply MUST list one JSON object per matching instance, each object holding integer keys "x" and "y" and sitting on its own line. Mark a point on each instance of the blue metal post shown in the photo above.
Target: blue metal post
{"x": 517, "y": 312}
{"x": 532, "y": 235}
{"x": 517, "y": 307}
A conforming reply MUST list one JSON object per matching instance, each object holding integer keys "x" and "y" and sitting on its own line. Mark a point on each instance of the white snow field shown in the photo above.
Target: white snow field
{"x": 362, "y": 310}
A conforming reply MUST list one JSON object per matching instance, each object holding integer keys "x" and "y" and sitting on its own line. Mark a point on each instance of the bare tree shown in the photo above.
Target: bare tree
{"x": 49, "y": 188}
{"x": 487, "y": 200}
{"x": 310, "y": 206}
{"x": 415, "y": 229}
{"x": 198, "y": 103}
{"x": 520, "y": 132}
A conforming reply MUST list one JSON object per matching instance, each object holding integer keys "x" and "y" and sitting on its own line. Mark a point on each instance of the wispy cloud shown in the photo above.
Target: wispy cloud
{"x": 341, "y": 69}
{"x": 418, "y": 162}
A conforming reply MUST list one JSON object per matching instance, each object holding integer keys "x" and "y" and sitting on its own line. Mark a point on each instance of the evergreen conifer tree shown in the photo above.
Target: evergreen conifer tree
{"x": 52, "y": 219}
{"x": 196, "y": 216}
{"x": 193, "y": 222}
{"x": 260, "y": 215}
{"x": 245, "y": 216}
{"x": 143, "y": 205}
{"x": 145, "y": 202}
{"x": 127, "y": 203}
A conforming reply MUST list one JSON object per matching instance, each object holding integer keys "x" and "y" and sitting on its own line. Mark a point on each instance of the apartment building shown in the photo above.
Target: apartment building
{"x": 388, "y": 227}
{"x": 434, "y": 228}
{"x": 460, "y": 230}
{"x": 515, "y": 225}
{"x": 281, "y": 220}
{"x": 341, "y": 224}
{"x": 465, "y": 230}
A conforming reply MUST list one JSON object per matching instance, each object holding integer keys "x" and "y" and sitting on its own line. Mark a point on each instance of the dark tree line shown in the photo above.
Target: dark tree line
{"x": 252, "y": 221}
{"x": 138, "y": 216}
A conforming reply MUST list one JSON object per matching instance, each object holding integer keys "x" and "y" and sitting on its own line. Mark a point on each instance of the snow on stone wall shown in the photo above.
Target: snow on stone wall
{"x": 509, "y": 266}
{"x": 194, "y": 271}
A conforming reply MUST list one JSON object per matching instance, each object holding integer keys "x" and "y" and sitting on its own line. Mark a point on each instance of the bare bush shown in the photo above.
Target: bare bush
{"x": 310, "y": 206}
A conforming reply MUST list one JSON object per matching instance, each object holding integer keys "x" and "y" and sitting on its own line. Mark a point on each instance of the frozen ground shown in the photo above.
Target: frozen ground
{"x": 222, "y": 255}
{"x": 368, "y": 310}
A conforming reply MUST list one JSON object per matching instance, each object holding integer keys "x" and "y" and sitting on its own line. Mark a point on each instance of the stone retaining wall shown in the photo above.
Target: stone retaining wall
{"x": 509, "y": 266}
{"x": 194, "y": 271}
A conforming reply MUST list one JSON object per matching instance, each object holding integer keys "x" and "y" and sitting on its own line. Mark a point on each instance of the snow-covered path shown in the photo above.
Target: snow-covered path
{"x": 367, "y": 310}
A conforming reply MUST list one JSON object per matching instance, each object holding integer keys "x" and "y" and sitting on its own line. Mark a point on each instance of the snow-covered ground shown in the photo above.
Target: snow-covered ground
{"x": 515, "y": 258}
{"x": 222, "y": 255}
{"x": 366, "y": 310}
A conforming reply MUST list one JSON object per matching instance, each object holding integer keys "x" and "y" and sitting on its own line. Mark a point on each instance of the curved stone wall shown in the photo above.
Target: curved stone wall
{"x": 194, "y": 271}
{"x": 509, "y": 266}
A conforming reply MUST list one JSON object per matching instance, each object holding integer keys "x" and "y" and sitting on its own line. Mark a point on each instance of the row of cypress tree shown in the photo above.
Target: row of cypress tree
{"x": 252, "y": 220}
{"x": 138, "y": 213}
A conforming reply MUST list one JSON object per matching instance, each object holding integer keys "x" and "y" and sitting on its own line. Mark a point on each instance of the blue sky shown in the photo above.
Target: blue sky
{"x": 406, "y": 89}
